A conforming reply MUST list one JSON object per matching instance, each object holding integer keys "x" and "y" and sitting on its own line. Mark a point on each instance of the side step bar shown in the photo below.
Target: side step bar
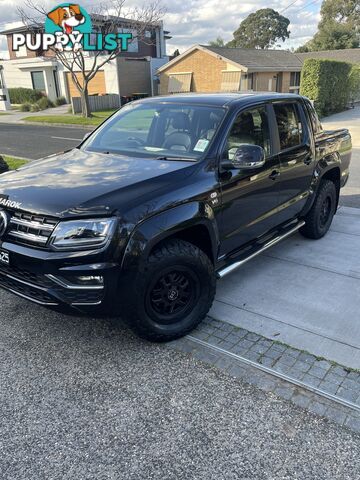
{"x": 230, "y": 268}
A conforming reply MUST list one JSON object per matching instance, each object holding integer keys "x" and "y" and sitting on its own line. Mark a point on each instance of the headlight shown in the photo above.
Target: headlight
{"x": 80, "y": 234}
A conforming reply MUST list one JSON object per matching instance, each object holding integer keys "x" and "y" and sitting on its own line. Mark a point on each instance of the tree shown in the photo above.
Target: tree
{"x": 261, "y": 29}
{"x": 218, "y": 42}
{"x": 338, "y": 28}
{"x": 80, "y": 64}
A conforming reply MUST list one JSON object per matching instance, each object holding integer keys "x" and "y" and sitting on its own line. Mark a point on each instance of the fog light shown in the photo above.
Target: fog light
{"x": 89, "y": 280}
{"x": 81, "y": 282}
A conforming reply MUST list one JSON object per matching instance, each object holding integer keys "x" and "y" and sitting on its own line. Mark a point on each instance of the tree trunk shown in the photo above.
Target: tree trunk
{"x": 85, "y": 107}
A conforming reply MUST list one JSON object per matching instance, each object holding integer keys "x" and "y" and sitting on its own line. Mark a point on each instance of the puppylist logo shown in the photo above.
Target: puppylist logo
{"x": 68, "y": 27}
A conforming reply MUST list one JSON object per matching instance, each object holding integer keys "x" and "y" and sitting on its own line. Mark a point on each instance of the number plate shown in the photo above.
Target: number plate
{"x": 4, "y": 257}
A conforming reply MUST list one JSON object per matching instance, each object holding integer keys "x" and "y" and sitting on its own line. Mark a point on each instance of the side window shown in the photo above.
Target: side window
{"x": 289, "y": 125}
{"x": 250, "y": 127}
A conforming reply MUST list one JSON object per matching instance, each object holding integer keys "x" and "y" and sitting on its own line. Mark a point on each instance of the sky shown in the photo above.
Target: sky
{"x": 200, "y": 21}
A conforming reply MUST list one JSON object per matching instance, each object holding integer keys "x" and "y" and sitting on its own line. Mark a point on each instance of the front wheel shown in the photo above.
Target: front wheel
{"x": 318, "y": 220}
{"x": 173, "y": 294}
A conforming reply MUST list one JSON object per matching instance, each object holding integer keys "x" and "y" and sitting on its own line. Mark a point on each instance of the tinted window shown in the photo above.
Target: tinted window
{"x": 250, "y": 127}
{"x": 315, "y": 122}
{"x": 38, "y": 80}
{"x": 289, "y": 125}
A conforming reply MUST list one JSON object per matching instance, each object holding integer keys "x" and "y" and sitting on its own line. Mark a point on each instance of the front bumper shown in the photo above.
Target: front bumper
{"x": 48, "y": 278}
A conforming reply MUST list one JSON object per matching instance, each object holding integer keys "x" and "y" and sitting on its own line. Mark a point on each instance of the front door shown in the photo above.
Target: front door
{"x": 249, "y": 197}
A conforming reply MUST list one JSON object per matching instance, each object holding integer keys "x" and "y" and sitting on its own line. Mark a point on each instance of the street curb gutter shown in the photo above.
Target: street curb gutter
{"x": 282, "y": 376}
{"x": 84, "y": 127}
{"x": 318, "y": 385}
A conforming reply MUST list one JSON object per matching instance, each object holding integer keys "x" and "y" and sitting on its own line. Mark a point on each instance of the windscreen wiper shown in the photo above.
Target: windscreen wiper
{"x": 178, "y": 159}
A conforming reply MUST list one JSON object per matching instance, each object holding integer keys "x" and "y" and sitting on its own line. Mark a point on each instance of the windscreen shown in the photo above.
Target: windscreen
{"x": 158, "y": 130}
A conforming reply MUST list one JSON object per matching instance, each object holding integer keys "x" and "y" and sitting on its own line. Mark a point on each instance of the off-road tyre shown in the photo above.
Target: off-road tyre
{"x": 177, "y": 271}
{"x": 319, "y": 218}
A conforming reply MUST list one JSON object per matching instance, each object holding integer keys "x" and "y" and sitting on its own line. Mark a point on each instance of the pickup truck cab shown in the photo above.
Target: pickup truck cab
{"x": 165, "y": 197}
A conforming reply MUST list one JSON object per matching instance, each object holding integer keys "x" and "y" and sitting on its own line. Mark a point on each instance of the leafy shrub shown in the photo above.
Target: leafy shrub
{"x": 44, "y": 103}
{"x": 60, "y": 101}
{"x": 24, "y": 95}
{"x": 327, "y": 83}
{"x": 25, "y": 107}
{"x": 355, "y": 83}
{"x": 35, "y": 107}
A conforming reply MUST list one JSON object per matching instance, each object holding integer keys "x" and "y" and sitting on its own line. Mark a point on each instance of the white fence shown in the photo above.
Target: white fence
{"x": 97, "y": 103}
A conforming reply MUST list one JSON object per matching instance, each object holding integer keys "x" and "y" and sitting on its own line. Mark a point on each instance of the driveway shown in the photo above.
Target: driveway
{"x": 350, "y": 195}
{"x": 306, "y": 293}
{"x": 302, "y": 292}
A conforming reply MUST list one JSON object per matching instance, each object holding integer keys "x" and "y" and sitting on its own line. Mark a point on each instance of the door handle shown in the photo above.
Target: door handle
{"x": 274, "y": 175}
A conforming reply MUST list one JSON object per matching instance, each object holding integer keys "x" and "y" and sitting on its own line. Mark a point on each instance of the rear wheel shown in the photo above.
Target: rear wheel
{"x": 174, "y": 293}
{"x": 318, "y": 220}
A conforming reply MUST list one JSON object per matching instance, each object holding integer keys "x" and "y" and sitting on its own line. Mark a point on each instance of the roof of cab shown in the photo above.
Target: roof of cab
{"x": 218, "y": 99}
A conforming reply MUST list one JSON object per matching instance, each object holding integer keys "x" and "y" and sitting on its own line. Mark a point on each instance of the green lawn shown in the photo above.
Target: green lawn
{"x": 77, "y": 119}
{"x": 14, "y": 162}
{"x": 4, "y": 113}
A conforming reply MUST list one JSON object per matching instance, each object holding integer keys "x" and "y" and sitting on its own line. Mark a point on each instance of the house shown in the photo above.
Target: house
{"x": 351, "y": 55}
{"x": 204, "y": 68}
{"x": 130, "y": 72}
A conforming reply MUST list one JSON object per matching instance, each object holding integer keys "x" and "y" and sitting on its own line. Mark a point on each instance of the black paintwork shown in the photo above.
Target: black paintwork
{"x": 220, "y": 210}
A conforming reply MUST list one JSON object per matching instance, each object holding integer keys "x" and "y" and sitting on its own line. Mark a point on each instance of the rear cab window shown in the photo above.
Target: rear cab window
{"x": 289, "y": 125}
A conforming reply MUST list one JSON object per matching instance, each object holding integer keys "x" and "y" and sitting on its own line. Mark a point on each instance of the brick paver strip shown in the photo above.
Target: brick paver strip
{"x": 302, "y": 367}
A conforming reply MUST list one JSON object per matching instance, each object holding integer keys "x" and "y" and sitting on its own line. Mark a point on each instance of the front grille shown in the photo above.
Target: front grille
{"x": 25, "y": 275}
{"x": 30, "y": 229}
{"x": 41, "y": 289}
{"x": 23, "y": 289}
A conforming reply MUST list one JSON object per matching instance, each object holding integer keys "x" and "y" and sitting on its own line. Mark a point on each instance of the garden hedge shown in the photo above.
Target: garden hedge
{"x": 327, "y": 83}
{"x": 24, "y": 95}
{"x": 355, "y": 83}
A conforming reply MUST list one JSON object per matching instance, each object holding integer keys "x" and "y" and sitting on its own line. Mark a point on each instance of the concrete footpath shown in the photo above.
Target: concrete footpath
{"x": 302, "y": 292}
{"x": 350, "y": 195}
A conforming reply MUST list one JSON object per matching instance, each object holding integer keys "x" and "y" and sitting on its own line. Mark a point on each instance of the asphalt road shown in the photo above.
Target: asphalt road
{"x": 37, "y": 141}
{"x": 83, "y": 399}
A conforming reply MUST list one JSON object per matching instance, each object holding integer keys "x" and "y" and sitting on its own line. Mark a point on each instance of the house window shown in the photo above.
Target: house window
{"x": 251, "y": 81}
{"x": 38, "y": 81}
{"x": 230, "y": 81}
{"x": 133, "y": 45}
{"x": 21, "y": 52}
{"x": 294, "y": 82}
{"x": 180, "y": 82}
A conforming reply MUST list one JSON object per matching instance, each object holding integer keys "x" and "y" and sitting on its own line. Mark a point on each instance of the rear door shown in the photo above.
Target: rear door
{"x": 295, "y": 144}
{"x": 249, "y": 197}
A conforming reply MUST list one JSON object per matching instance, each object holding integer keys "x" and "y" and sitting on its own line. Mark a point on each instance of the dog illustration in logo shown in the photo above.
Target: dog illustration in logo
{"x": 67, "y": 18}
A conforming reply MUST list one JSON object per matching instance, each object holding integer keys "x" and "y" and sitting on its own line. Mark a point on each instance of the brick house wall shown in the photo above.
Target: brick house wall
{"x": 206, "y": 72}
{"x": 29, "y": 53}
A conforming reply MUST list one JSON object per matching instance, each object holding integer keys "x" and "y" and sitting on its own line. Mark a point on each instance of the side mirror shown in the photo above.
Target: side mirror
{"x": 246, "y": 157}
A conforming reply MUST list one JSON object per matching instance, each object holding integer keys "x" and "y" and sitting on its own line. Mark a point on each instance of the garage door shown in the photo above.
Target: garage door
{"x": 96, "y": 85}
